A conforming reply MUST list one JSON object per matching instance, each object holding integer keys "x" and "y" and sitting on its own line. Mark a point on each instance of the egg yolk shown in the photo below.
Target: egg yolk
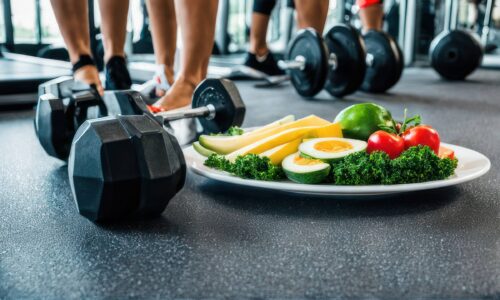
{"x": 332, "y": 146}
{"x": 306, "y": 161}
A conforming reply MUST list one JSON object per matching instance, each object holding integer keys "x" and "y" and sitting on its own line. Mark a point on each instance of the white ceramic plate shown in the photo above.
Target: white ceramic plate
{"x": 471, "y": 165}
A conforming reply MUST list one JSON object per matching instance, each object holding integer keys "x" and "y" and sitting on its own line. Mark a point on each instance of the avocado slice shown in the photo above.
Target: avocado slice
{"x": 202, "y": 150}
{"x": 305, "y": 170}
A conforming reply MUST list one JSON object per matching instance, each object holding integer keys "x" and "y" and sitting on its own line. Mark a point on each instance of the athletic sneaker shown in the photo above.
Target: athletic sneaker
{"x": 265, "y": 64}
{"x": 117, "y": 75}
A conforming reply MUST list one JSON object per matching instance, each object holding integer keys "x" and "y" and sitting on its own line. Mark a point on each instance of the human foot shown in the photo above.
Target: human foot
{"x": 117, "y": 74}
{"x": 264, "y": 63}
{"x": 89, "y": 74}
{"x": 179, "y": 95}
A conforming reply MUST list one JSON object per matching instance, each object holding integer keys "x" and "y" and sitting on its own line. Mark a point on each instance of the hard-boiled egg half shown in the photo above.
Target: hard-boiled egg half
{"x": 305, "y": 170}
{"x": 330, "y": 149}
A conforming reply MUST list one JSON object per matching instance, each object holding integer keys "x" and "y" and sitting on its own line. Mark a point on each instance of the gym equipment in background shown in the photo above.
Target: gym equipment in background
{"x": 455, "y": 53}
{"x": 342, "y": 62}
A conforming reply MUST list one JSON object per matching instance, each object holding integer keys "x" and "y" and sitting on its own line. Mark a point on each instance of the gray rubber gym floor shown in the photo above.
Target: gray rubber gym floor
{"x": 221, "y": 241}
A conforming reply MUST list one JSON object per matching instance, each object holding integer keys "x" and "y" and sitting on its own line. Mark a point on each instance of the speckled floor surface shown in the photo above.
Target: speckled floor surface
{"x": 221, "y": 241}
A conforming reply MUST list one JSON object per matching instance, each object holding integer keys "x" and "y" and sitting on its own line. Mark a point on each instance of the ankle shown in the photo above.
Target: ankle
{"x": 111, "y": 55}
{"x": 190, "y": 82}
{"x": 88, "y": 74}
{"x": 85, "y": 70}
{"x": 81, "y": 49}
{"x": 259, "y": 51}
{"x": 169, "y": 73}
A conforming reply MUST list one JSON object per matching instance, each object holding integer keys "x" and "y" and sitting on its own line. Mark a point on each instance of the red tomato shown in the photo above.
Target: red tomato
{"x": 389, "y": 143}
{"x": 446, "y": 153}
{"x": 422, "y": 135}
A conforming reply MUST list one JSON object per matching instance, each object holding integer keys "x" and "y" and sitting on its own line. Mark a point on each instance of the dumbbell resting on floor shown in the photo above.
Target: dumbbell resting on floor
{"x": 64, "y": 105}
{"x": 310, "y": 62}
{"x": 455, "y": 54}
{"x": 343, "y": 61}
{"x": 129, "y": 166}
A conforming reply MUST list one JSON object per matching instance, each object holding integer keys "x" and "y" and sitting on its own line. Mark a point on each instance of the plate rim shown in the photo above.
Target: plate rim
{"x": 329, "y": 189}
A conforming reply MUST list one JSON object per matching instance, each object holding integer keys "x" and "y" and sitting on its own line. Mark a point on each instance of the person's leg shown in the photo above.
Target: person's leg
{"x": 259, "y": 57}
{"x": 260, "y": 20}
{"x": 113, "y": 26}
{"x": 114, "y": 29}
{"x": 473, "y": 13}
{"x": 72, "y": 18}
{"x": 312, "y": 14}
{"x": 371, "y": 13}
{"x": 164, "y": 32}
{"x": 197, "y": 22}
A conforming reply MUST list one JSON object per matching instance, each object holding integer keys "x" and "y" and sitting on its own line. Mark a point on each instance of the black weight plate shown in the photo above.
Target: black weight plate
{"x": 309, "y": 45}
{"x": 383, "y": 72}
{"x": 346, "y": 44}
{"x": 60, "y": 87}
{"x": 400, "y": 61}
{"x": 455, "y": 54}
{"x": 224, "y": 96}
{"x": 52, "y": 127}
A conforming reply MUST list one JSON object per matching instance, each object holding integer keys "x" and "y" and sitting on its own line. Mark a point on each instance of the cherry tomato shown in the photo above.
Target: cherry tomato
{"x": 422, "y": 135}
{"x": 446, "y": 153}
{"x": 389, "y": 143}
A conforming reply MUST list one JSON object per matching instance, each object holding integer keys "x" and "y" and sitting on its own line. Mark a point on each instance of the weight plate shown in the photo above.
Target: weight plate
{"x": 455, "y": 54}
{"x": 225, "y": 98}
{"x": 400, "y": 61}
{"x": 384, "y": 62}
{"x": 346, "y": 48}
{"x": 51, "y": 125}
{"x": 309, "y": 46}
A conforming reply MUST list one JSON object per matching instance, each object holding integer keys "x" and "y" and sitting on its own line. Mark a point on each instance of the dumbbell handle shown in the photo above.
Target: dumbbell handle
{"x": 299, "y": 62}
{"x": 369, "y": 59}
{"x": 208, "y": 112}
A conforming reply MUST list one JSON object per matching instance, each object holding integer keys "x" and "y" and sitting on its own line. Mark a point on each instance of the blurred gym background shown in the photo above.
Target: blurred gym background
{"x": 32, "y": 49}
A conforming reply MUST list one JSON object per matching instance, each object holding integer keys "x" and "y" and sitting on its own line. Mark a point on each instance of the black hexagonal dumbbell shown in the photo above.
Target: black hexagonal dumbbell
{"x": 131, "y": 166}
{"x": 63, "y": 105}
{"x": 124, "y": 166}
